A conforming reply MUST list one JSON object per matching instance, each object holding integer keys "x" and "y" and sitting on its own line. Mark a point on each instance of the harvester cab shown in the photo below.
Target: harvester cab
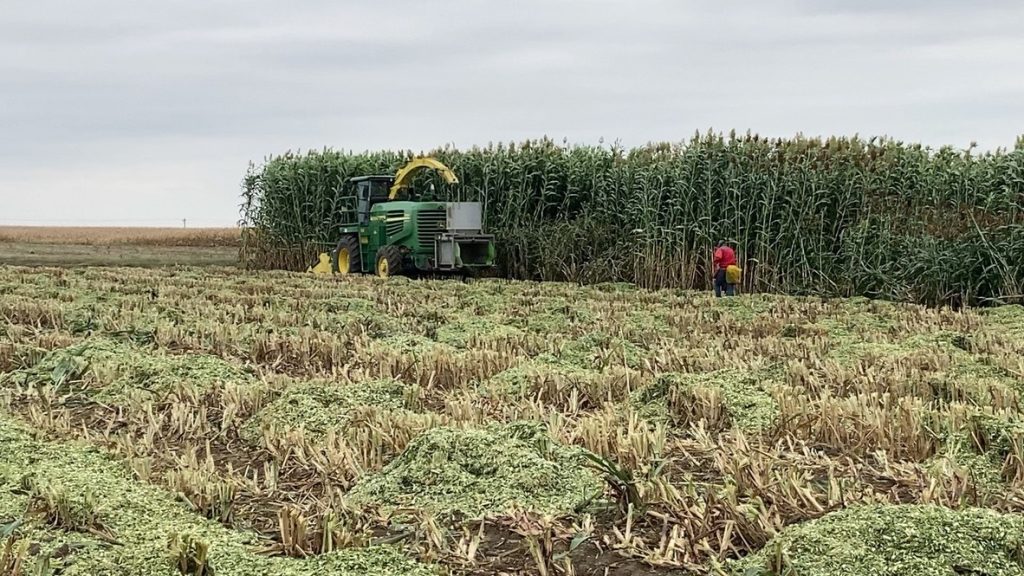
{"x": 370, "y": 190}
{"x": 389, "y": 237}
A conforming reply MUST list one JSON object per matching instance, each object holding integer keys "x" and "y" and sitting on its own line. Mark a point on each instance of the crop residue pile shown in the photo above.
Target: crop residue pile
{"x": 906, "y": 540}
{"x": 474, "y": 472}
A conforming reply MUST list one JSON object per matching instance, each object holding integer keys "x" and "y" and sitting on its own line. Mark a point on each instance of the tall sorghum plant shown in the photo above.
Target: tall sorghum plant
{"x": 836, "y": 216}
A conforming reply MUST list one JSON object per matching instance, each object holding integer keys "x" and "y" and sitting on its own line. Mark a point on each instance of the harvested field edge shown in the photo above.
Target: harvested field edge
{"x": 283, "y": 406}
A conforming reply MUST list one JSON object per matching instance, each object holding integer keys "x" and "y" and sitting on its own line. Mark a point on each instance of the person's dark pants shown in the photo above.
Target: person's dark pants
{"x": 722, "y": 286}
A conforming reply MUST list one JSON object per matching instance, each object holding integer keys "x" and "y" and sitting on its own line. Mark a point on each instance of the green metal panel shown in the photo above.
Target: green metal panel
{"x": 411, "y": 225}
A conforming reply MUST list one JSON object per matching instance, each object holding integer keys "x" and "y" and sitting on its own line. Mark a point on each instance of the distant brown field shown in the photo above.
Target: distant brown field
{"x": 113, "y": 246}
{"x": 114, "y": 236}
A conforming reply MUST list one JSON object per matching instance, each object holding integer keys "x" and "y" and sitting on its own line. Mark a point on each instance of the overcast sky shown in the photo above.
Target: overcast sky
{"x": 133, "y": 112}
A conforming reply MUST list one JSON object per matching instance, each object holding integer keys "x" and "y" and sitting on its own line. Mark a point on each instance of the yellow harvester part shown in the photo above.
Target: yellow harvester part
{"x": 405, "y": 174}
{"x": 323, "y": 266}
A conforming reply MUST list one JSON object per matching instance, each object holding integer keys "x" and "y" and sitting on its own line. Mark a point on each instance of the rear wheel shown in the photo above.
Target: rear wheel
{"x": 345, "y": 258}
{"x": 389, "y": 261}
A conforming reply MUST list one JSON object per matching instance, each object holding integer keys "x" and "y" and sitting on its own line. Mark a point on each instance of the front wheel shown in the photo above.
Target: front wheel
{"x": 345, "y": 258}
{"x": 389, "y": 261}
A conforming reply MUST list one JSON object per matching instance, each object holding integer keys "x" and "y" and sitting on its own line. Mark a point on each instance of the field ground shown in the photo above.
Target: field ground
{"x": 112, "y": 236}
{"x": 160, "y": 422}
{"x": 100, "y": 246}
{"x": 38, "y": 254}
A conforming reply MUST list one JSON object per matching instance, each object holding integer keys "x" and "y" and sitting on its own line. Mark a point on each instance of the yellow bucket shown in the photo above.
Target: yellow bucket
{"x": 733, "y": 274}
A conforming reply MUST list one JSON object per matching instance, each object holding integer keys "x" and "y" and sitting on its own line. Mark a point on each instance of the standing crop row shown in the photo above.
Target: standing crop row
{"x": 840, "y": 216}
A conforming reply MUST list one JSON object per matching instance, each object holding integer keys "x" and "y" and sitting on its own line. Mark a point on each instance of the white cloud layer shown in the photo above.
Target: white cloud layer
{"x": 136, "y": 111}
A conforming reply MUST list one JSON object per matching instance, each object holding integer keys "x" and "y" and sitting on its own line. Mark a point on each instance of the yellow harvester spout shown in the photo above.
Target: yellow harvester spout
{"x": 405, "y": 174}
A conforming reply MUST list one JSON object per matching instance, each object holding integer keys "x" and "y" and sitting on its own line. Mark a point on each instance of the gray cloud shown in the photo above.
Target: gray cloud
{"x": 132, "y": 110}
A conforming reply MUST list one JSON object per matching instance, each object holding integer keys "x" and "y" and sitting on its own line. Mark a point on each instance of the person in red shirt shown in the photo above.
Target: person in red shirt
{"x": 724, "y": 257}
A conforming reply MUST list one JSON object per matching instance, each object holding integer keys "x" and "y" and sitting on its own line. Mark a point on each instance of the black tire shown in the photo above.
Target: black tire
{"x": 351, "y": 244}
{"x": 391, "y": 256}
